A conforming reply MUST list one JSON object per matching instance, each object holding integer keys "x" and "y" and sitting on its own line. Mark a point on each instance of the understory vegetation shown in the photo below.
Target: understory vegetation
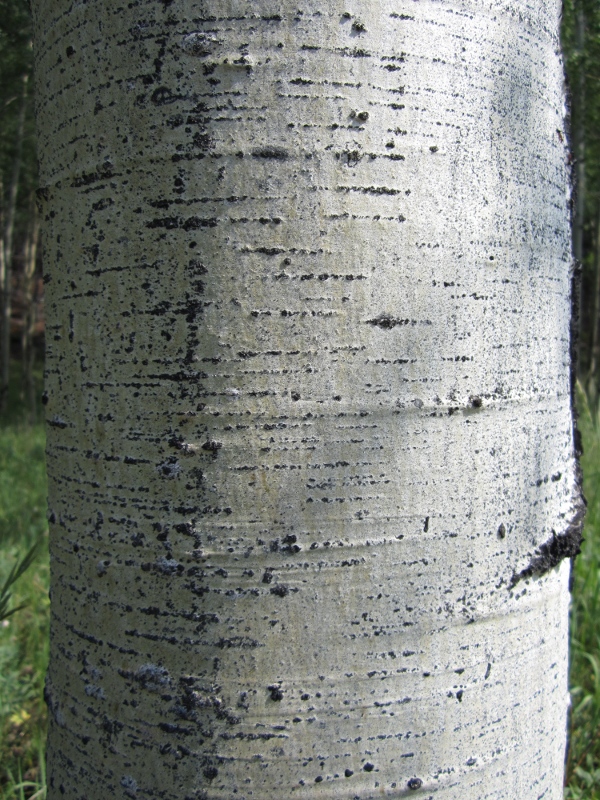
{"x": 24, "y": 634}
{"x": 583, "y": 762}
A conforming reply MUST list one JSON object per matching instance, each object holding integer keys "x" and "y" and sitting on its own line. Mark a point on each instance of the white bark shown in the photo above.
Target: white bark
{"x": 310, "y": 445}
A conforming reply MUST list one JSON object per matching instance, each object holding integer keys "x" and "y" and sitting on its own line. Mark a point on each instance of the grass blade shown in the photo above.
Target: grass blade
{"x": 16, "y": 572}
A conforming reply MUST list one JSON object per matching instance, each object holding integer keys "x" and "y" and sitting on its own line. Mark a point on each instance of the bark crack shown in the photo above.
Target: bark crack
{"x": 563, "y": 545}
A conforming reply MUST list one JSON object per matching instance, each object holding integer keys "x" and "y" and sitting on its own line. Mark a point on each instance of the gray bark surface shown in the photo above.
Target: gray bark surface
{"x": 310, "y": 443}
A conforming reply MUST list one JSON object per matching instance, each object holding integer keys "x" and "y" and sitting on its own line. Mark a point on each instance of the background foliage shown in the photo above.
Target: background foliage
{"x": 24, "y": 634}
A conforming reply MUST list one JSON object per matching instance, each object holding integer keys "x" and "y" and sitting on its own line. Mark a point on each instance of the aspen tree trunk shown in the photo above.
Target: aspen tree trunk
{"x": 310, "y": 442}
{"x": 579, "y": 135}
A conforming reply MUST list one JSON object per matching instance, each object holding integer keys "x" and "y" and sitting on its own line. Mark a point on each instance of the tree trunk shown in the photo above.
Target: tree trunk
{"x": 7, "y": 220}
{"x": 29, "y": 305}
{"x": 579, "y": 135}
{"x": 310, "y": 443}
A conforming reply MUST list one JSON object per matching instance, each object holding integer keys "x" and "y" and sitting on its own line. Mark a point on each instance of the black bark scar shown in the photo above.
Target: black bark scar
{"x": 551, "y": 552}
{"x": 386, "y": 322}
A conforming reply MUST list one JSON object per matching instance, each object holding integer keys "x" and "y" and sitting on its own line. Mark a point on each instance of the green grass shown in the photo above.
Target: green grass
{"x": 24, "y": 635}
{"x": 583, "y": 764}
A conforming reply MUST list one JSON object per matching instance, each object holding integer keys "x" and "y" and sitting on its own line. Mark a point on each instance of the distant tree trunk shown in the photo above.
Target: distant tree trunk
{"x": 29, "y": 315}
{"x": 7, "y": 224}
{"x": 310, "y": 449}
{"x": 579, "y": 134}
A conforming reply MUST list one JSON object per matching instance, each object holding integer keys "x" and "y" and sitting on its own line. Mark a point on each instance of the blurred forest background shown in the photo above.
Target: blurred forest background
{"x": 23, "y": 528}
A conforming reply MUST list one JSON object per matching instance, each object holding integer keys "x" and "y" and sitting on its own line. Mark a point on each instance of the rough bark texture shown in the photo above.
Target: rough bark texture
{"x": 579, "y": 137}
{"x": 310, "y": 445}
